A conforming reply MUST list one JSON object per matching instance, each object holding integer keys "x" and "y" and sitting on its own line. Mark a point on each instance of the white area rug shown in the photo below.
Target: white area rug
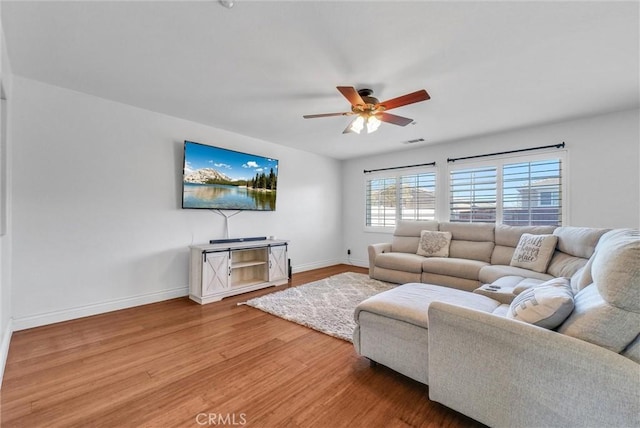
{"x": 326, "y": 305}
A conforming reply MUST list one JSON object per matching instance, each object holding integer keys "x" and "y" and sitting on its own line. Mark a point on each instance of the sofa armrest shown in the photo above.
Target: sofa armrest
{"x": 503, "y": 372}
{"x": 374, "y": 250}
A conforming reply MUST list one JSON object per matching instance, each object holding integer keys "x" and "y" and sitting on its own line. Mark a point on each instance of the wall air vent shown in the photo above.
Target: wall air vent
{"x": 417, "y": 140}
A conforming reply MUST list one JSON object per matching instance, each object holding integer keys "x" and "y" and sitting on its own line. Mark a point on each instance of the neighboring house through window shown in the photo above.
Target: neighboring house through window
{"x": 404, "y": 195}
{"x": 526, "y": 190}
{"x": 522, "y": 190}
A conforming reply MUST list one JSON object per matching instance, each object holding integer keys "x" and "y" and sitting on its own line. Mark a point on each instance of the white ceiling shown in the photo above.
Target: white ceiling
{"x": 257, "y": 68}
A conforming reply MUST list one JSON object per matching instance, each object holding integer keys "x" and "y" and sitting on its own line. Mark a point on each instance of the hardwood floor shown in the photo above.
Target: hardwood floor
{"x": 180, "y": 364}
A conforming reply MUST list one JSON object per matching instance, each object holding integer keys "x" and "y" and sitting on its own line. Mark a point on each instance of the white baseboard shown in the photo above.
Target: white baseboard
{"x": 23, "y": 323}
{"x": 4, "y": 348}
{"x": 327, "y": 263}
{"x": 355, "y": 262}
{"x": 315, "y": 265}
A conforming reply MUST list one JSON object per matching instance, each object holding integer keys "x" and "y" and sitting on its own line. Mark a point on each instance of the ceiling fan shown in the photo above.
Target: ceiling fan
{"x": 370, "y": 111}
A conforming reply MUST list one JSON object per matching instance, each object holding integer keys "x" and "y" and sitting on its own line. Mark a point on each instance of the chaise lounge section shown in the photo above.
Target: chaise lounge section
{"x": 577, "y": 363}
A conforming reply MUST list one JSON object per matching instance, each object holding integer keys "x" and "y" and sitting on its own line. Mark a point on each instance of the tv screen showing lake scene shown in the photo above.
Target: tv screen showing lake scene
{"x": 216, "y": 178}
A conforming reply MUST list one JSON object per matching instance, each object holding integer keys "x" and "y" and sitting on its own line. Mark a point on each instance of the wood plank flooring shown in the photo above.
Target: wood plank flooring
{"x": 180, "y": 364}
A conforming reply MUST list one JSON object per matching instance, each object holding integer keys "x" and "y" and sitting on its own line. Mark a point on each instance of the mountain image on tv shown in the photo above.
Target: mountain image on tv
{"x": 217, "y": 178}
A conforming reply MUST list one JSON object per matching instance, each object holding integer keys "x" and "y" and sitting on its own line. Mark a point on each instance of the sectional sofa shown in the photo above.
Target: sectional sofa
{"x": 479, "y": 253}
{"x": 553, "y": 343}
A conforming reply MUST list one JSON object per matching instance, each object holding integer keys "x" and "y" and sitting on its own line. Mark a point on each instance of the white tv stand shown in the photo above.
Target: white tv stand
{"x": 227, "y": 269}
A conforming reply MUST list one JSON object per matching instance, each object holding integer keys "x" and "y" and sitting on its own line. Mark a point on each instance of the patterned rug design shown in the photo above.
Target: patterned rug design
{"x": 326, "y": 305}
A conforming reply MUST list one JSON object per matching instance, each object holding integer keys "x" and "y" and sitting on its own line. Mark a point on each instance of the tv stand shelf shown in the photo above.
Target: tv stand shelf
{"x": 240, "y": 265}
{"x": 227, "y": 269}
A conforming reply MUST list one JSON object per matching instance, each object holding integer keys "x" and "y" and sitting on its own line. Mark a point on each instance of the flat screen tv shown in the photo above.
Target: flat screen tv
{"x": 222, "y": 179}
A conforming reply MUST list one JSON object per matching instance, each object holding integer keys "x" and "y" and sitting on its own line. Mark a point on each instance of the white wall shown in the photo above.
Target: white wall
{"x": 97, "y": 223}
{"x": 603, "y": 154}
{"x": 96, "y": 196}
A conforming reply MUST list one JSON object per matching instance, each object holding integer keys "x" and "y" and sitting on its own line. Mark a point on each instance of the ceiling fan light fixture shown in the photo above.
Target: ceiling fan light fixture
{"x": 373, "y": 123}
{"x": 357, "y": 125}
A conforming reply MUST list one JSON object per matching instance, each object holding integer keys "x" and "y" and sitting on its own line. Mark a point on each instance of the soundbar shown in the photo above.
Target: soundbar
{"x": 226, "y": 241}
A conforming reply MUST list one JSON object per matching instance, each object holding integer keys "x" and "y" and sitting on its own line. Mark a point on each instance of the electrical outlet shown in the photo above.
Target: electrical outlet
{"x": 348, "y": 252}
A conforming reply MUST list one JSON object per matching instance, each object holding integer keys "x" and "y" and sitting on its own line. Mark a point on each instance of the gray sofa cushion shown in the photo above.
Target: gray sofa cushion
{"x": 578, "y": 241}
{"x": 596, "y": 321}
{"x": 462, "y": 268}
{"x": 473, "y": 241}
{"x": 489, "y": 274}
{"x": 607, "y": 312}
{"x": 565, "y": 265}
{"x": 405, "y": 244}
{"x": 395, "y": 276}
{"x": 400, "y": 261}
{"x": 471, "y": 250}
{"x": 616, "y": 269}
{"x": 407, "y": 235}
{"x": 409, "y": 302}
{"x": 509, "y": 236}
{"x": 502, "y": 255}
{"x": 414, "y": 227}
{"x": 469, "y": 231}
{"x": 449, "y": 281}
{"x": 574, "y": 248}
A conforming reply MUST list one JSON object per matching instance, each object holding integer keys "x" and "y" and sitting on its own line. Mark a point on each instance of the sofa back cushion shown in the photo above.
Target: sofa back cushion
{"x": 578, "y": 241}
{"x": 575, "y": 246}
{"x": 607, "y": 312}
{"x": 507, "y": 238}
{"x": 596, "y": 321}
{"x": 473, "y": 241}
{"x": 616, "y": 269}
{"x": 407, "y": 235}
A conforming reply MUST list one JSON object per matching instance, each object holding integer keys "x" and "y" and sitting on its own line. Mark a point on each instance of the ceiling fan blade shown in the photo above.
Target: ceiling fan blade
{"x": 411, "y": 98}
{"x": 350, "y": 93}
{"x": 392, "y": 118}
{"x": 313, "y": 116}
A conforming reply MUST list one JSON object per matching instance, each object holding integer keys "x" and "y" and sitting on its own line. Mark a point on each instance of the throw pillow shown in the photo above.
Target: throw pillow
{"x": 533, "y": 283}
{"x": 434, "y": 244}
{"x": 546, "y": 305}
{"x": 534, "y": 252}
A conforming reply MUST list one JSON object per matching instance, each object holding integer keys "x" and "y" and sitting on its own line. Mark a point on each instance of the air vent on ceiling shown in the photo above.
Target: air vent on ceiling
{"x": 417, "y": 140}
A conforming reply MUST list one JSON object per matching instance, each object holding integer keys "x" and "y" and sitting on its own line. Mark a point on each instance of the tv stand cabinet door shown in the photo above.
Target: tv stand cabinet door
{"x": 215, "y": 272}
{"x": 278, "y": 269}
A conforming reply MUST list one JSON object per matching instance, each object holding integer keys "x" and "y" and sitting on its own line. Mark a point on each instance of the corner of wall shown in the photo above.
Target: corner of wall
{"x": 4, "y": 348}
{"x": 6, "y": 308}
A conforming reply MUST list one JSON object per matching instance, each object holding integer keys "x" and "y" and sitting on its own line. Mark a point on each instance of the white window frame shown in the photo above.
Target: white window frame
{"x": 499, "y": 162}
{"x": 396, "y": 175}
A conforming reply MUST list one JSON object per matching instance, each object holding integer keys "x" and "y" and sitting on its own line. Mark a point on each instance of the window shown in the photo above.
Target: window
{"x": 400, "y": 197}
{"x": 473, "y": 195}
{"x": 381, "y": 202}
{"x": 531, "y": 193}
{"x": 522, "y": 191}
